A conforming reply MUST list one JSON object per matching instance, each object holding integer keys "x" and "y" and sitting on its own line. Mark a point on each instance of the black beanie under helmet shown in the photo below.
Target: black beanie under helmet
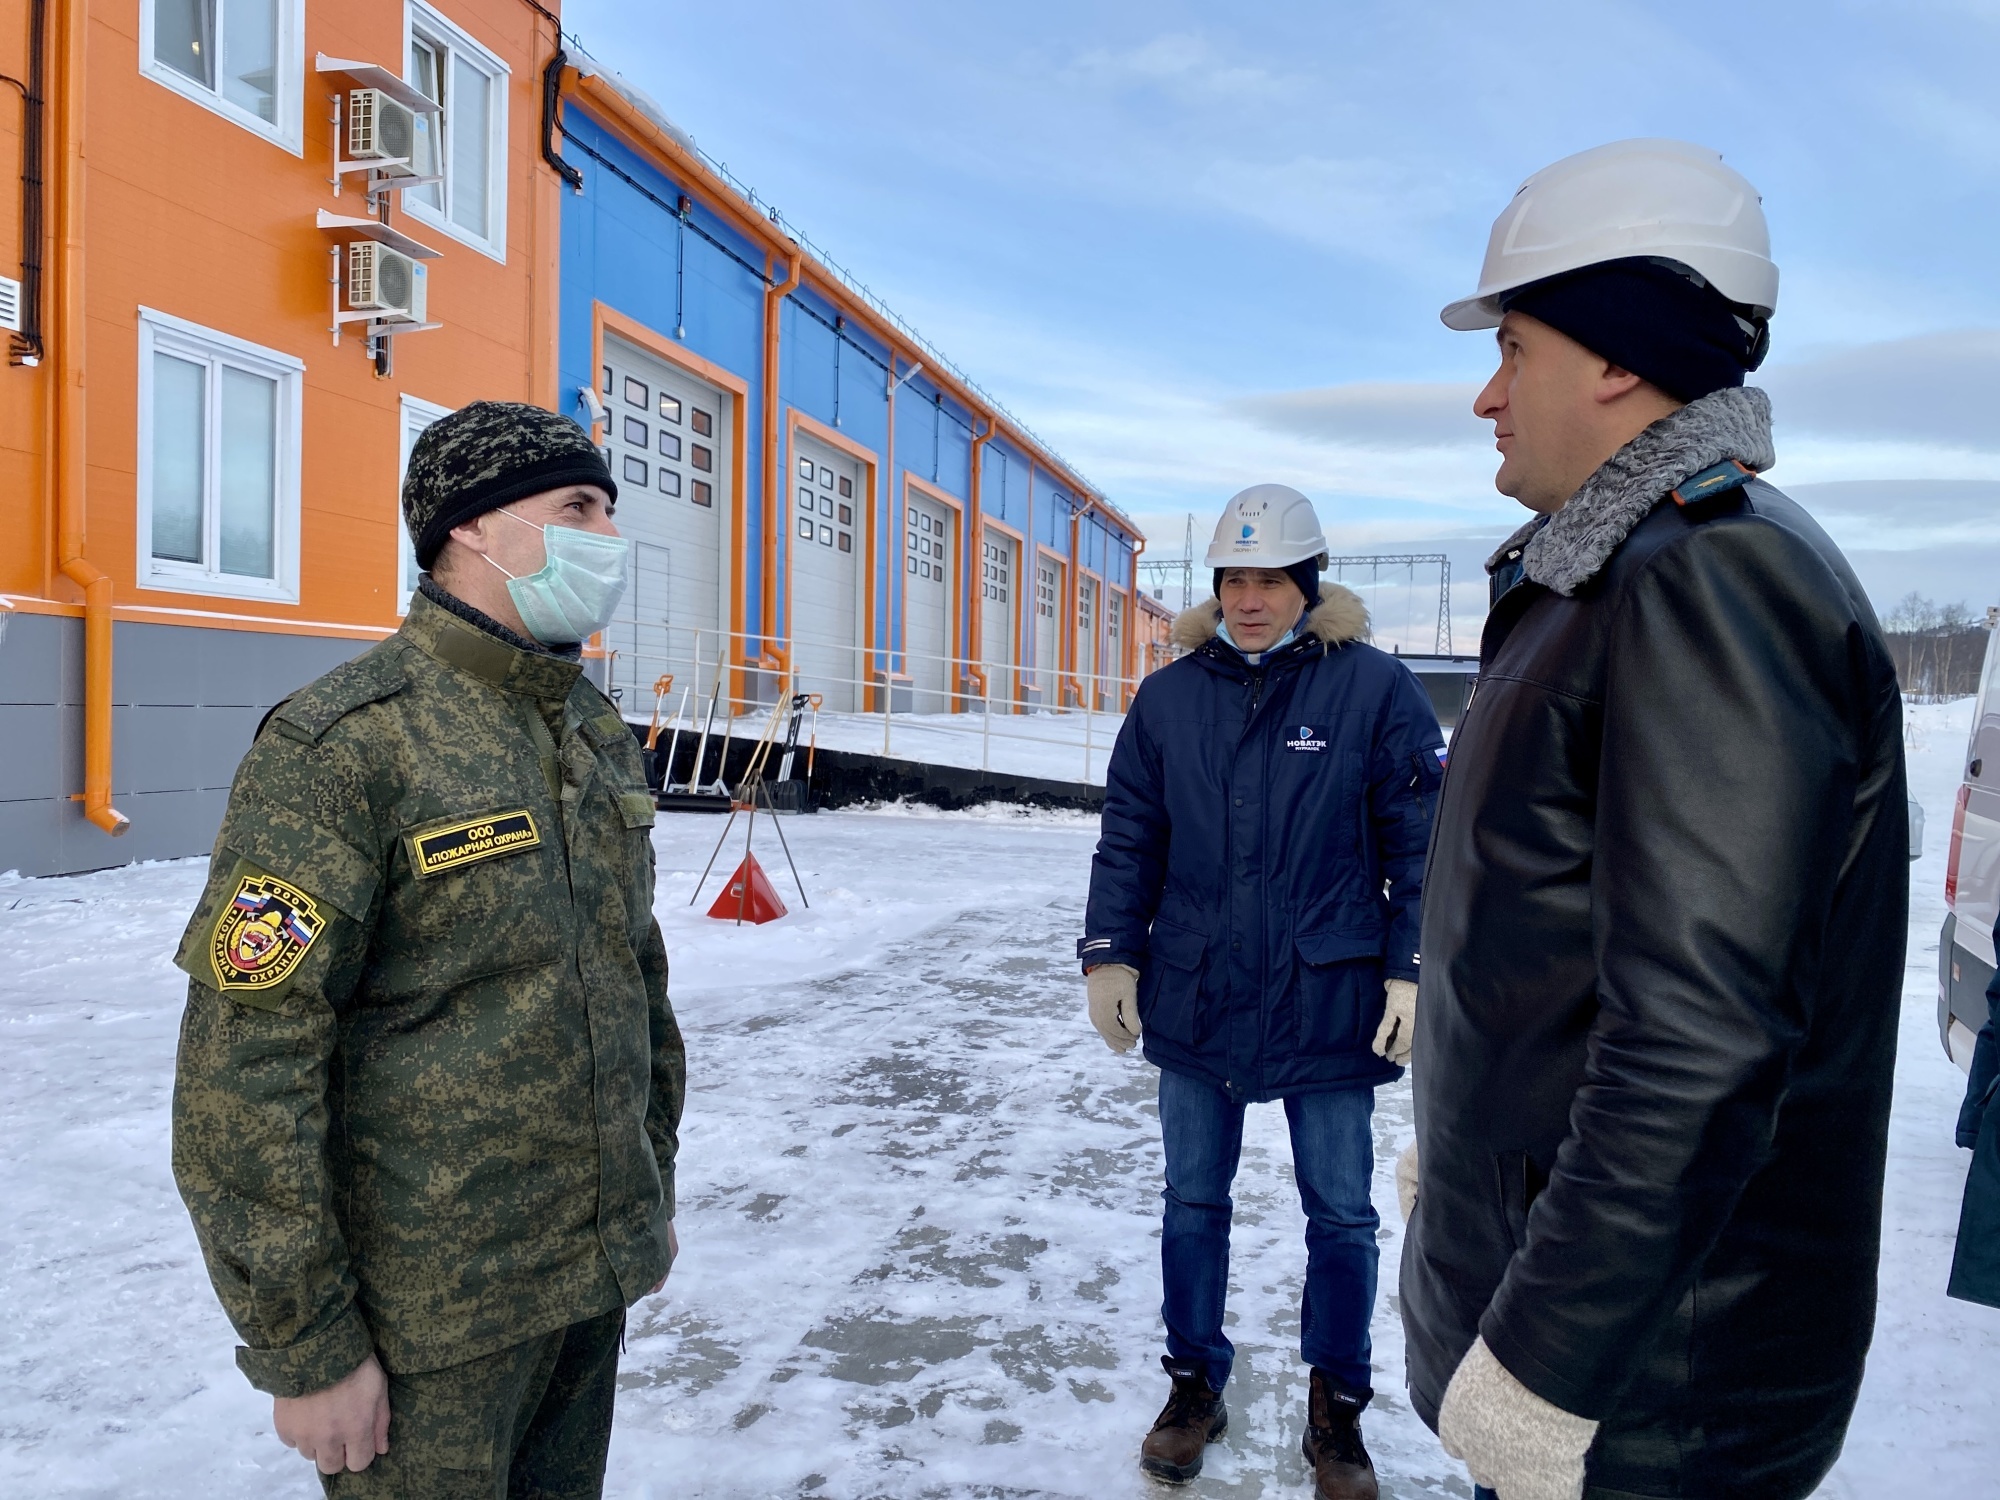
{"x": 1656, "y": 318}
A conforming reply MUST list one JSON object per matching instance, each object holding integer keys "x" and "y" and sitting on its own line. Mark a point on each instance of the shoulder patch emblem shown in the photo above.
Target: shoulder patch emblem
{"x": 1716, "y": 480}
{"x": 262, "y": 934}
{"x": 474, "y": 839}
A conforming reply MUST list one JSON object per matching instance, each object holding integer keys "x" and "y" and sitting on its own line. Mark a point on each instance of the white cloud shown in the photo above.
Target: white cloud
{"x": 1937, "y": 389}
{"x": 1374, "y": 414}
{"x": 1156, "y": 440}
{"x": 1186, "y": 67}
{"x": 1903, "y": 515}
{"x": 1962, "y": 128}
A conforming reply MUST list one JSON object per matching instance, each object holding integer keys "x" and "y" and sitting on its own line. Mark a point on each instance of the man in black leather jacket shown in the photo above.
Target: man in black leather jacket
{"x": 1664, "y": 912}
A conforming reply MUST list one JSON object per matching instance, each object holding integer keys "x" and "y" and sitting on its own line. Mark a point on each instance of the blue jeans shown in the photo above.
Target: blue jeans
{"x": 1333, "y": 1155}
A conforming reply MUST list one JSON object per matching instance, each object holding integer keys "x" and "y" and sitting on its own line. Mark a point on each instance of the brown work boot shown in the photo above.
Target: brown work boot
{"x": 1341, "y": 1467}
{"x": 1193, "y": 1417}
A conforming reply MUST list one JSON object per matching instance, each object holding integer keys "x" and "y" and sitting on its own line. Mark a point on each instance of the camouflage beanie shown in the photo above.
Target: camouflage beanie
{"x": 486, "y": 455}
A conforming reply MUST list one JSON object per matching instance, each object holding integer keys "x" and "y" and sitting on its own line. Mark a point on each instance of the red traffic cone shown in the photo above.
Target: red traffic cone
{"x": 748, "y": 896}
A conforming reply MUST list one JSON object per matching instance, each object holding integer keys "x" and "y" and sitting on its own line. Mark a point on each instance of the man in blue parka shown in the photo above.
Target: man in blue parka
{"x": 1254, "y": 912}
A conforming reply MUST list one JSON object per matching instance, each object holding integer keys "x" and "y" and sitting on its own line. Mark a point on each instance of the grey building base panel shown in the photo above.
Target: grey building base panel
{"x": 845, "y": 778}
{"x": 46, "y": 837}
{"x": 185, "y": 702}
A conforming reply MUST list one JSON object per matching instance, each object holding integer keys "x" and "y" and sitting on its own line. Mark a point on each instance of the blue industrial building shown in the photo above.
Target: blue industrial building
{"x": 810, "y": 488}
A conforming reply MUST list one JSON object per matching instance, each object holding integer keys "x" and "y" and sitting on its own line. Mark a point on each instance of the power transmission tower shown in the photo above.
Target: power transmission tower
{"x": 1162, "y": 572}
{"x": 1411, "y": 560}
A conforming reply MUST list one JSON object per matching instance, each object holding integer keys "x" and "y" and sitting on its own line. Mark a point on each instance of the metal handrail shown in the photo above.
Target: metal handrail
{"x": 969, "y": 709}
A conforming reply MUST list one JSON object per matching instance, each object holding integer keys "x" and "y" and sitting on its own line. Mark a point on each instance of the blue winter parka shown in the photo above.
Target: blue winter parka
{"x": 1261, "y": 855}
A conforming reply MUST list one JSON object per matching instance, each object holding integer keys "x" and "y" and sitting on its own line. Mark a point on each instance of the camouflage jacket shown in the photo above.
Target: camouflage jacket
{"x": 429, "y": 1080}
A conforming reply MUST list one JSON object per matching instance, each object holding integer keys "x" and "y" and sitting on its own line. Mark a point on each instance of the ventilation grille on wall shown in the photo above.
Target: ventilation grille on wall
{"x": 10, "y": 304}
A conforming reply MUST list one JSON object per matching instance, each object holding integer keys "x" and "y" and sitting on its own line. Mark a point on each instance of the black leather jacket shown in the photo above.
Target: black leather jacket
{"x": 1664, "y": 920}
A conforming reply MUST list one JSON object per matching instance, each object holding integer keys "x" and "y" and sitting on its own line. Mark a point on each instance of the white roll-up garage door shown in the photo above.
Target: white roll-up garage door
{"x": 662, "y": 435}
{"x": 927, "y": 570}
{"x": 826, "y": 574}
{"x": 1086, "y": 638}
{"x": 1048, "y": 626}
{"x": 1114, "y": 651}
{"x": 1000, "y": 572}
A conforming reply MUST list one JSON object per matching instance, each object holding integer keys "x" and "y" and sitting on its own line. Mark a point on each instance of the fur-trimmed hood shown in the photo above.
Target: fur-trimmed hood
{"x": 1563, "y": 551}
{"x": 1338, "y": 618}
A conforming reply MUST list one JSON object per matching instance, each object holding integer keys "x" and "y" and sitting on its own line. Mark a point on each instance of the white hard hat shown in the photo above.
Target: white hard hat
{"x": 1666, "y": 199}
{"x": 1265, "y": 526}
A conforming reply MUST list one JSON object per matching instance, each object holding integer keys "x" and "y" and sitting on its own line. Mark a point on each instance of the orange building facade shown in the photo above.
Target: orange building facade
{"x": 263, "y": 243}
{"x": 1155, "y": 629}
{"x": 198, "y": 474}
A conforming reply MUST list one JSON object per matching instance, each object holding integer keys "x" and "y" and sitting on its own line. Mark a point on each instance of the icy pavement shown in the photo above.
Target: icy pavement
{"x": 918, "y": 1205}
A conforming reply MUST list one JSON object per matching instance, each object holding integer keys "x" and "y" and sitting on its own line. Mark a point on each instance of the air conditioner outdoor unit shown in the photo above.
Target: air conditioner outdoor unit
{"x": 380, "y": 129}
{"x": 385, "y": 281}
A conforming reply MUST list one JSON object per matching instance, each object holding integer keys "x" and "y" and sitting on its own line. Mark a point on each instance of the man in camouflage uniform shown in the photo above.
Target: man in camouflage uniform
{"x": 429, "y": 1080}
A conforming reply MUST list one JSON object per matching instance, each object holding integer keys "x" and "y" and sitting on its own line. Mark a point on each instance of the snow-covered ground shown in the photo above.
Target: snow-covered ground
{"x": 918, "y": 1205}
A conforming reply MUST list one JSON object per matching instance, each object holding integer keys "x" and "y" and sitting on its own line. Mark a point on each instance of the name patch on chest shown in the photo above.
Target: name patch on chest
{"x": 1307, "y": 738}
{"x": 475, "y": 839}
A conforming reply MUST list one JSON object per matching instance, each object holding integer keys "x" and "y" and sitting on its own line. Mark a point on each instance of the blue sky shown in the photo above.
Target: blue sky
{"x": 1198, "y": 247}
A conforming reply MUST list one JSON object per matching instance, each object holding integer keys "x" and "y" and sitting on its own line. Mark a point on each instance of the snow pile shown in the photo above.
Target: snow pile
{"x": 919, "y": 1207}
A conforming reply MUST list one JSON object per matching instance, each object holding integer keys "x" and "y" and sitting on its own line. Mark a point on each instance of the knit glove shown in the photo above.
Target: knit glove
{"x": 1399, "y": 1022}
{"x": 1509, "y": 1439}
{"x": 1114, "y": 1004}
{"x": 1406, "y": 1181}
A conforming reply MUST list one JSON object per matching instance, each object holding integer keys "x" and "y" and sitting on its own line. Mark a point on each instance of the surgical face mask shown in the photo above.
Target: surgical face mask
{"x": 578, "y": 588}
{"x": 1287, "y": 639}
{"x": 1254, "y": 657}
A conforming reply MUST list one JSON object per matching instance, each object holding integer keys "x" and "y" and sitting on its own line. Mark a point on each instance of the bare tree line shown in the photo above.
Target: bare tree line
{"x": 1938, "y": 648}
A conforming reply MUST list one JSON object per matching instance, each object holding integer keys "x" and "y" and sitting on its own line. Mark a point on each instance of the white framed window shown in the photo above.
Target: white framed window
{"x": 417, "y": 415}
{"x": 465, "y": 143}
{"x": 219, "y": 459}
{"x": 244, "y": 59}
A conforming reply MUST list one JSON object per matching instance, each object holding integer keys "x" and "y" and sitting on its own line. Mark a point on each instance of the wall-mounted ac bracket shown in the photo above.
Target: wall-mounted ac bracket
{"x": 377, "y": 181}
{"x": 345, "y": 230}
{"x": 348, "y": 227}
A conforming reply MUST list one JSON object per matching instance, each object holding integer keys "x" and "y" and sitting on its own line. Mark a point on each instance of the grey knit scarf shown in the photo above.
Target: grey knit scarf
{"x": 1565, "y": 550}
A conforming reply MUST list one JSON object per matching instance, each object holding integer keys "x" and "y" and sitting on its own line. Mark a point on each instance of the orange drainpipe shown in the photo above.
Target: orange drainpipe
{"x": 975, "y": 554}
{"x": 68, "y": 471}
{"x": 892, "y": 511}
{"x": 773, "y": 658}
{"x": 1131, "y": 619}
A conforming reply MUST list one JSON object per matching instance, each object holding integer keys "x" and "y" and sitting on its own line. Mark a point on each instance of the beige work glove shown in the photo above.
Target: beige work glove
{"x": 1399, "y": 1022}
{"x": 1114, "y": 1004}
{"x": 1406, "y": 1181}
{"x": 1509, "y": 1439}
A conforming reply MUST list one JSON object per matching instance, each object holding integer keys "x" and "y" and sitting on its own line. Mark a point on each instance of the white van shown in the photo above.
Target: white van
{"x": 1972, "y": 875}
